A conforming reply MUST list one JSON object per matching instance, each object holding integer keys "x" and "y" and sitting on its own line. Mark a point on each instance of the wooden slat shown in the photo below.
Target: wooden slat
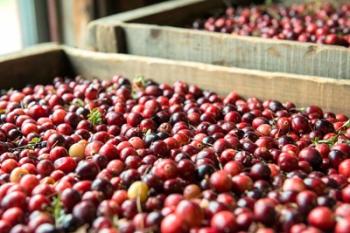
{"x": 166, "y": 13}
{"x": 108, "y": 34}
{"x": 170, "y": 12}
{"x": 37, "y": 65}
{"x": 76, "y": 14}
{"x": 43, "y": 63}
{"x": 328, "y": 93}
{"x": 226, "y": 50}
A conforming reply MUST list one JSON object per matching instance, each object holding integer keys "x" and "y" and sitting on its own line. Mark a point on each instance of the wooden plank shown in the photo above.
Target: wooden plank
{"x": 106, "y": 39}
{"x": 330, "y": 94}
{"x": 76, "y": 14}
{"x": 106, "y": 35}
{"x": 171, "y": 12}
{"x": 166, "y": 13}
{"x": 41, "y": 64}
{"x": 37, "y": 65}
{"x": 227, "y": 50}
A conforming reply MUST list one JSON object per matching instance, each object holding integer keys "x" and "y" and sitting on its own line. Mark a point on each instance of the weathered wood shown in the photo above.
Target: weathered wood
{"x": 166, "y": 13}
{"x": 45, "y": 63}
{"x": 108, "y": 34}
{"x": 76, "y": 14}
{"x": 170, "y": 13}
{"x": 37, "y": 65}
{"x": 229, "y": 50}
{"x": 303, "y": 90}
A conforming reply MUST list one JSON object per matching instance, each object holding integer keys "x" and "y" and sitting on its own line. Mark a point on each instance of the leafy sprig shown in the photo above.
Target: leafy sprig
{"x": 34, "y": 142}
{"x": 56, "y": 210}
{"x": 78, "y": 102}
{"x": 333, "y": 140}
{"x": 138, "y": 84}
{"x": 95, "y": 117}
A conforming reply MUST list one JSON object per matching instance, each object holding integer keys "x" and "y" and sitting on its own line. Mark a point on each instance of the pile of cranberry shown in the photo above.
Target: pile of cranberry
{"x": 325, "y": 24}
{"x": 119, "y": 156}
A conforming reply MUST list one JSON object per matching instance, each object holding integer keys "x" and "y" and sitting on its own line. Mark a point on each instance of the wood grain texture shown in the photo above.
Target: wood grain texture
{"x": 76, "y": 14}
{"x": 330, "y": 94}
{"x": 37, "y": 65}
{"x": 42, "y": 64}
{"x": 166, "y": 13}
{"x": 170, "y": 12}
{"x": 212, "y": 48}
{"x": 233, "y": 51}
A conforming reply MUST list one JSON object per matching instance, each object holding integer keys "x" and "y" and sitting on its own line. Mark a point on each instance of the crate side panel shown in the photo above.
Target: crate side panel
{"x": 237, "y": 51}
{"x": 332, "y": 95}
{"x": 38, "y": 65}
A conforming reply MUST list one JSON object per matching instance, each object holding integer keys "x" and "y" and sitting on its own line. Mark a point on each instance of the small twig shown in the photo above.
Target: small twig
{"x": 138, "y": 204}
{"x": 331, "y": 141}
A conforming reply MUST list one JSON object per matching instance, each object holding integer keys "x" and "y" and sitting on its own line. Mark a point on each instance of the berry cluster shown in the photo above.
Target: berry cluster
{"x": 115, "y": 156}
{"x": 325, "y": 24}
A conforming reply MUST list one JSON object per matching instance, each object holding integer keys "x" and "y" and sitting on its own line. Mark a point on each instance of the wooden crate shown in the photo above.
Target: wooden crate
{"x": 41, "y": 64}
{"x": 69, "y": 19}
{"x": 159, "y": 36}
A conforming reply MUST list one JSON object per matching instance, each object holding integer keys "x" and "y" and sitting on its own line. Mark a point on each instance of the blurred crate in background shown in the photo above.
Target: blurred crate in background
{"x": 160, "y": 31}
{"x": 69, "y": 18}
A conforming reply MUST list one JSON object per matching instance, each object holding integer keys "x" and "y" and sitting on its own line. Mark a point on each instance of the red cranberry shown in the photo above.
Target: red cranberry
{"x": 85, "y": 211}
{"x": 321, "y": 217}
{"x": 191, "y": 212}
{"x": 221, "y": 181}
{"x": 165, "y": 169}
{"x": 224, "y": 221}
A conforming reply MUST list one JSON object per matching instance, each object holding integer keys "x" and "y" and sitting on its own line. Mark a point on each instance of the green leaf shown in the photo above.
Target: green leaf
{"x": 35, "y": 141}
{"x": 78, "y": 102}
{"x": 346, "y": 124}
{"x": 331, "y": 141}
{"x": 56, "y": 210}
{"x": 315, "y": 140}
{"x": 139, "y": 81}
{"x": 95, "y": 117}
{"x": 138, "y": 84}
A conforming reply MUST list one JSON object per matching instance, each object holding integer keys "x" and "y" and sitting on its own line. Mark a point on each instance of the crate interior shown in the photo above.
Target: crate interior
{"x": 184, "y": 15}
{"x": 33, "y": 67}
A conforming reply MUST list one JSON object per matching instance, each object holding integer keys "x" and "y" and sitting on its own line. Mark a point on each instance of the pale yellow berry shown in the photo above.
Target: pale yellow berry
{"x": 138, "y": 190}
{"x": 17, "y": 174}
{"x": 77, "y": 150}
